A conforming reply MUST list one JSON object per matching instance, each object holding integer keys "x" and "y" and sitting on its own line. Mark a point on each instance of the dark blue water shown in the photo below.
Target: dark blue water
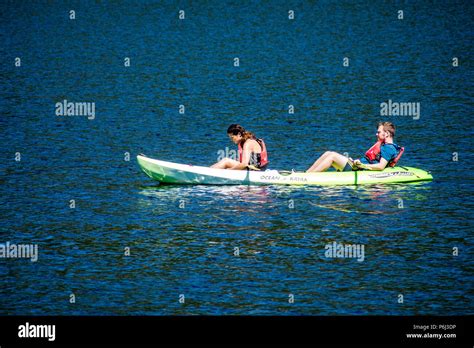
{"x": 182, "y": 240}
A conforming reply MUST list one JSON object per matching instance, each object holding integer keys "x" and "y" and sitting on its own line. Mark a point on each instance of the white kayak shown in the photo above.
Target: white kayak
{"x": 176, "y": 173}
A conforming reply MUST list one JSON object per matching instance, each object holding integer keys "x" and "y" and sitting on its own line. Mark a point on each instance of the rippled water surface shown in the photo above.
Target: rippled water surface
{"x": 183, "y": 240}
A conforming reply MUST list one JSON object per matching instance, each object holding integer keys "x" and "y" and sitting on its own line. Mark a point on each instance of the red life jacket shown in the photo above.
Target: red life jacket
{"x": 393, "y": 162}
{"x": 263, "y": 154}
{"x": 373, "y": 154}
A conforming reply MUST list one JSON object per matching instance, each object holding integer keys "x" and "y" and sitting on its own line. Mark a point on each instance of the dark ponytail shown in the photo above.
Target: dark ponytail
{"x": 238, "y": 129}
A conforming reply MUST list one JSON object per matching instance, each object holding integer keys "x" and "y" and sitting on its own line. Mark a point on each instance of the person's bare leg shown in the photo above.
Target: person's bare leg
{"x": 225, "y": 163}
{"x": 323, "y": 165}
{"x": 221, "y": 164}
{"x": 339, "y": 161}
{"x": 318, "y": 161}
{"x": 230, "y": 163}
{"x": 334, "y": 159}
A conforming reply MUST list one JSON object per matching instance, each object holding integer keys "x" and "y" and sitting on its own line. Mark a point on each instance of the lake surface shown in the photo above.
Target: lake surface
{"x": 233, "y": 250}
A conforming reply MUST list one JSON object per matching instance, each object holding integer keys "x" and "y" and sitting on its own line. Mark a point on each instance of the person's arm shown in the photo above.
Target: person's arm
{"x": 245, "y": 157}
{"x": 378, "y": 166}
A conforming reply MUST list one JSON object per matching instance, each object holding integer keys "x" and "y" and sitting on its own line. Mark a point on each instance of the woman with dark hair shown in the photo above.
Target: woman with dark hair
{"x": 252, "y": 151}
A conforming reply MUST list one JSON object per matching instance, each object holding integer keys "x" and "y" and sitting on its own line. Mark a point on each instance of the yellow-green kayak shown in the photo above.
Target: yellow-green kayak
{"x": 176, "y": 173}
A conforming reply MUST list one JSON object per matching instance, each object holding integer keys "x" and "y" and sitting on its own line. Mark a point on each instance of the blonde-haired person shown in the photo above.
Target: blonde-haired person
{"x": 384, "y": 152}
